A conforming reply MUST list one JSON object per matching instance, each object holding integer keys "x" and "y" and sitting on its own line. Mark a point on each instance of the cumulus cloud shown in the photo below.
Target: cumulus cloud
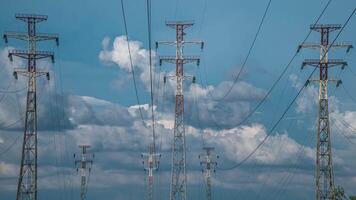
{"x": 205, "y": 107}
{"x": 307, "y": 101}
{"x": 210, "y": 108}
{"x": 240, "y": 142}
{"x": 120, "y": 56}
{"x": 242, "y": 91}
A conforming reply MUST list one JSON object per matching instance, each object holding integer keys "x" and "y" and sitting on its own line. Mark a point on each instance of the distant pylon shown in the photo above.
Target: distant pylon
{"x": 325, "y": 189}
{"x": 27, "y": 184}
{"x": 178, "y": 190}
{"x": 84, "y": 164}
{"x": 208, "y": 168}
{"x": 150, "y": 164}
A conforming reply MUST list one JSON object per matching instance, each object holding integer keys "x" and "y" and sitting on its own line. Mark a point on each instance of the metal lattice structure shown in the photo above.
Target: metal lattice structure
{"x": 178, "y": 190}
{"x": 84, "y": 165}
{"x": 324, "y": 166}
{"x": 150, "y": 164}
{"x": 208, "y": 168}
{"x": 27, "y": 184}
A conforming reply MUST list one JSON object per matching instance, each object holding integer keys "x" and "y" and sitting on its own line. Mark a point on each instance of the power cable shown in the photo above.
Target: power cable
{"x": 281, "y": 75}
{"x": 291, "y": 103}
{"x": 342, "y": 133}
{"x": 248, "y": 53}
{"x": 10, "y": 146}
{"x": 149, "y": 27}
{"x": 131, "y": 64}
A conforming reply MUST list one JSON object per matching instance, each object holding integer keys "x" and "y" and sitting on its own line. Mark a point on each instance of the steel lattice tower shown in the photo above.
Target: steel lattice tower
{"x": 151, "y": 165}
{"x": 324, "y": 166}
{"x": 27, "y": 184}
{"x": 178, "y": 190}
{"x": 208, "y": 164}
{"x": 84, "y": 164}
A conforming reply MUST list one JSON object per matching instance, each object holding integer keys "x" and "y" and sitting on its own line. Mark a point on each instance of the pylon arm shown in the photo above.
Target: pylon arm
{"x": 331, "y": 63}
{"x": 201, "y": 43}
{"x": 25, "y": 72}
{"x": 330, "y": 27}
{"x": 25, "y": 37}
{"x": 27, "y": 55}
{"x": 171, "y": 43}
{"x": 15, "y": 35}
{"x": 31, "y": 17}
{"x": 315, "y": 80}
{"x": 149, "y": 154}
{"x": 308, "y": 45}
{"x": 174, "y": 60}
{"x": 174, "y": 24}
{"x": 346, "y": 45}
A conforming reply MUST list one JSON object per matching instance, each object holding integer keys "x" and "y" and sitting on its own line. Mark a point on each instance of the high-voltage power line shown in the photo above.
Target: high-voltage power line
{"x": 150, "y": 164}
{"x": 325, "y": 189}
{"x": 27, "y": 184}
{"x": 178, "y": 190}
{"x": 83, "y": 163}
{"x": 208, "y": 163}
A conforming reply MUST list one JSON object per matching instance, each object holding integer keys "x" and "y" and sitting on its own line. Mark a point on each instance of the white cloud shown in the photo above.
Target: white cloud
{"x": 120, "y": 55}
{"x": 307, "y": 101}
{"x": 240, "y": 142}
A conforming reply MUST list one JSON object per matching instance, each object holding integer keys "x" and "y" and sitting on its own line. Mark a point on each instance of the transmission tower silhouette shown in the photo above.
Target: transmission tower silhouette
{"x": 150, "y": 164}
{"x": 84, "y": 164}
{"x": 208, "y": 164}
{"x": 325, "y": 189}
{"x": 27, "y": 183}
{"x": 178, "y": 188}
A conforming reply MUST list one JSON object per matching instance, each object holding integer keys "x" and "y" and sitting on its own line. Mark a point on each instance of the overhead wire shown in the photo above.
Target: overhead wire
{"x": 149, "y": 31}
{"x": 244, "y": 120}
{"x": 131, "y": 63}
{"x": 248, "y": 53}
{"x": 296, "y": 166}
{"x": 290, "y": 104}
{"x": 342, "y": 133}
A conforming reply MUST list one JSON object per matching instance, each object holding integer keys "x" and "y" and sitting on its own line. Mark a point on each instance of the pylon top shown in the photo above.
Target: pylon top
{"x": 185, "y": 24}
{"x": 208, "y": 148}
{"x": 330, "y": 27}
{"x": 31, "y": 17}
{"x": 84, "y": 145}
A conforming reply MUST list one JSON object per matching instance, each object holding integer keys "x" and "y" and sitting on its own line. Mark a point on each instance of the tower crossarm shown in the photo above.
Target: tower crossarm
{"x": 31, "y": 55}
{"x": 194, "y": 42}
{"x": 26, "y": 73}
{"x": 189, "y": 42}
{"x": 170, "y": 43}
{"x": 25, "y": 37}
{"x": 330, "y": 63}
{"x": 309, "y": 45}
{"x": 330, "y": 80}
{"x": 31, "y": 17}
{"x": 174, "y": 60}
{"x": 348, "y": 46}
{"x": 329, "y": 27}
{"x": 184, "y": 24}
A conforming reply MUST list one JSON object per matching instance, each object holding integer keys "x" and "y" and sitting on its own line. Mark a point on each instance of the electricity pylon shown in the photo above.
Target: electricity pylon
{"x": 150, "y": 165}
{"x": 178, "y": 190}
{"x": 208, "y": 163}
{"x": 27, "y": 184}
{"x": 324, "y": 165}
{"x": 84, "y": 164}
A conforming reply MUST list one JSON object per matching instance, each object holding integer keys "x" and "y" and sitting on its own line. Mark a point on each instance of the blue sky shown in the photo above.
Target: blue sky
{"x": 92, "y": 92}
